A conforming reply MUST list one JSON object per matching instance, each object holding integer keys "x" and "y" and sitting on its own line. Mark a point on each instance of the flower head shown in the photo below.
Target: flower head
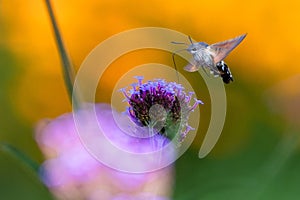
{"x": 161, "y": 105}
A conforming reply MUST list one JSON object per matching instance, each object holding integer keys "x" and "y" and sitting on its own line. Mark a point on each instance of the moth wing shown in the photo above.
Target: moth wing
{"x": 191, "y": 67}
{"x": 221, "y": 49}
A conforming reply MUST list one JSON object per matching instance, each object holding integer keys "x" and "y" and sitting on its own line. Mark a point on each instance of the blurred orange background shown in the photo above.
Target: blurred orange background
{"x": 267, "y": 55}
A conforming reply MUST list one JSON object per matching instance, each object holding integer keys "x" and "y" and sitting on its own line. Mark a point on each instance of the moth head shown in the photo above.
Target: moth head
{"x": 196, "y": 47}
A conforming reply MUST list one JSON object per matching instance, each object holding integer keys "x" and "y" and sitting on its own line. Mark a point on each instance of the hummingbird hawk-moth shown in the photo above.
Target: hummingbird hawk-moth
{"x": 211, "y": 57}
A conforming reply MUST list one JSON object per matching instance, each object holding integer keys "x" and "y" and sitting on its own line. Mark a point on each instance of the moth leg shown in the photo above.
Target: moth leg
{"x": 203, "y": 68}
{"x": 213, "y": 70}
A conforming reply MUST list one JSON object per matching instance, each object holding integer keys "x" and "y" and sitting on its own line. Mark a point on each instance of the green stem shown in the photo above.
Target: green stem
{"x": 24, "y": 160}
{"x": 68, "y": 70}
{"x": 20, "y": 156}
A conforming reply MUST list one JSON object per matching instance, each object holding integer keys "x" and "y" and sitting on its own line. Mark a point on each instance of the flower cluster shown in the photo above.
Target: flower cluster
{"x": 161, "y": 105}
{"x": 71, "y": 172}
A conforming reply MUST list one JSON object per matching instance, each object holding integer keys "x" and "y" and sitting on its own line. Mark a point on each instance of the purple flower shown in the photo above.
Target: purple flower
{"x": 71, "y": 172}
{"x": 158, "y": 109}
{"x": 161, "y": 105}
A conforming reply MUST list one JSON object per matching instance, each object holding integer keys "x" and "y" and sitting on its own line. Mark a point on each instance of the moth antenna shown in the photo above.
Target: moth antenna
{"x": 190, "y": 39}
{"x": 179, "y": 43}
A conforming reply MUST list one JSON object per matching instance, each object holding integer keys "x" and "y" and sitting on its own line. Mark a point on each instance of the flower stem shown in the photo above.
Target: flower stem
{"x": 68, "y": 69}
{"x": 24, "y": 160}
{"x": 20, "y": 156}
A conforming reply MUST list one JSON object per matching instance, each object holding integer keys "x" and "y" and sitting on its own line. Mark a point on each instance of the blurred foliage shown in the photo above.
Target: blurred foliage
{"x": 253, "y": 158}
{"x": 17, "y": 180}
{"x": 266, "y": 169}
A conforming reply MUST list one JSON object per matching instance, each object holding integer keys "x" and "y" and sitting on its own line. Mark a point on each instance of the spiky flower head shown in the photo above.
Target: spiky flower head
{"x": 160, "y": 105}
